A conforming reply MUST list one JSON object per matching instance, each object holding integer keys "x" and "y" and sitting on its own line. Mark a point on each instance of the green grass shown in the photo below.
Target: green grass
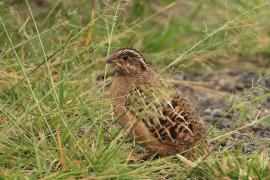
{"x": 55, "y": 110}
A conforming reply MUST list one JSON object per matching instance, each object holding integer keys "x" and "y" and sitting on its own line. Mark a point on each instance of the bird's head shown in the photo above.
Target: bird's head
{"x": 128, "y": 61}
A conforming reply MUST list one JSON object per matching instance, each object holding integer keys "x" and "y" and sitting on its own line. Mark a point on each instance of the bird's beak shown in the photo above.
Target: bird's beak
{"x": 109, "y": 60}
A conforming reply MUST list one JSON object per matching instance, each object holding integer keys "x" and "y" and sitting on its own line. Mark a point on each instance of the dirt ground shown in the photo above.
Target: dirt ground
{"x": 219, "y": 97}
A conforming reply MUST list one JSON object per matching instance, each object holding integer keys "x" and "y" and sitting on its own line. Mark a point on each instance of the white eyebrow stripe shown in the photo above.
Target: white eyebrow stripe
{"x": 141, "y": 58}
{"x": 143, "y": 62}
{"x": 133, "y": 51}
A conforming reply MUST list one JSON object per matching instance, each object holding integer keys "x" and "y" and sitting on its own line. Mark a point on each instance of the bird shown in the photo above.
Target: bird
{"x": 157, "y": 115}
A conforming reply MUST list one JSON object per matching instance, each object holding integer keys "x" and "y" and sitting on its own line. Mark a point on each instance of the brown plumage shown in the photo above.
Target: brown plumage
{"x": 161, "y": 119}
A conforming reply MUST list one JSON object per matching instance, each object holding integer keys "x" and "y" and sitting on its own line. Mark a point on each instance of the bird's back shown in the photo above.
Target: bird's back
{"x": 168, "y": 115}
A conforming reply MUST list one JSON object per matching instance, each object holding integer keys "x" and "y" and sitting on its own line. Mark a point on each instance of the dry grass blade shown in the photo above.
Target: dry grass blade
{"x": 186, "y": 161}
{"x": 60, "y": 147}
{"x": 89, "y": 36}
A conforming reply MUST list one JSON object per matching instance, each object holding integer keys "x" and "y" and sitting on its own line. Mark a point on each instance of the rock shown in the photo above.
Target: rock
{"x": 216, "y": 113}
{"x": 249, "y": 148}
{"x": 208, "y": 119}
{"x": 266, "y": 103}
{"x": 207, "y": 111}
{"x": 225, "y": 123}
{"x": 240, "y": 86}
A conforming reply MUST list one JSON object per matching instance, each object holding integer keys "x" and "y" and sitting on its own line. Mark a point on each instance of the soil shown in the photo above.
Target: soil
{"x": 219, "y": 97}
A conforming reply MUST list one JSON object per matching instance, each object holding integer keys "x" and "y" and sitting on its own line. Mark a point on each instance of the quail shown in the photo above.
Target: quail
{"x": 160, "y": 118}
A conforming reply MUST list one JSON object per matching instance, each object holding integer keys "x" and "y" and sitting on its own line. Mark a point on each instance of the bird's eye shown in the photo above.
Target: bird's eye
{"x": 125, "y": 58}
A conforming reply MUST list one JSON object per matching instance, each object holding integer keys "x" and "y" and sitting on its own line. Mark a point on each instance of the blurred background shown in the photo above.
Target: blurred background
{"x": 56, "y": 118}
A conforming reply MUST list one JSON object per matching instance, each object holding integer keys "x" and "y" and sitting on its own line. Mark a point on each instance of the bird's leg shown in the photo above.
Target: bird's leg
{"x": 134, "y": 156}
{"x": 149, "y": 156}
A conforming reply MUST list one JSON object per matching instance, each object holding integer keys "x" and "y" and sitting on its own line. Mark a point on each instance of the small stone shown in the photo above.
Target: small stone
{"x": 209, "y": 119}
{"x": 249, "y": 148}
{"x": 240, "y": 86}
{"x": 217, "y": 113}
{"x": 207, "y": 111}
{"x": 225, "y": 123}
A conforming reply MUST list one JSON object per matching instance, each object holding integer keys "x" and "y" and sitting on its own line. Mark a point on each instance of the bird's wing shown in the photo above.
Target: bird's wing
{"x": 171, "y": 119}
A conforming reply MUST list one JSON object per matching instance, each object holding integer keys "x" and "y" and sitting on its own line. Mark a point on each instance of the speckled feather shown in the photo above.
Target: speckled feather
{"x": 169, "y": 116}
